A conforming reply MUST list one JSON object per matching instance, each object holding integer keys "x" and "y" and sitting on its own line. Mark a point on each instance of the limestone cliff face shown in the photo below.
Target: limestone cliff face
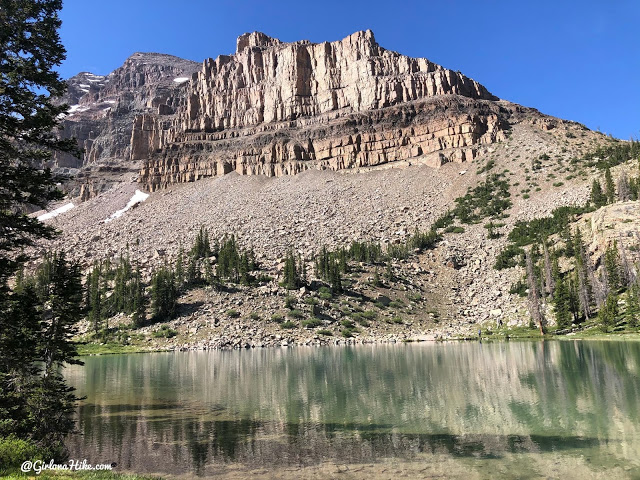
{"x": 278, "y": 108}
{"x": 268, "y": 81}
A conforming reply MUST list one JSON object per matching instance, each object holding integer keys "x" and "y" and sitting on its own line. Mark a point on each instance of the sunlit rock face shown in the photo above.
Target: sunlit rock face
{"x": 277, "y": 108}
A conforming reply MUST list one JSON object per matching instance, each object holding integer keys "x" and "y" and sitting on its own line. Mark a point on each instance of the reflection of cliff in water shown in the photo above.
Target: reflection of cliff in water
{"x": 197, "y": 411}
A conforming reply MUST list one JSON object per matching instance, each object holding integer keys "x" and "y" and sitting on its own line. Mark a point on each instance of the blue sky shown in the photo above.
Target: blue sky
{"x": 577, "y": 60}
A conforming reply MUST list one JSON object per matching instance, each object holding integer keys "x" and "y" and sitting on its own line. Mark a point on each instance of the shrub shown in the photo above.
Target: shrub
{"x": 290, "y": 302}
{"x": 231, "y": 313}
{"x": 295, "y": 314}
{"x": 519, "y": 288}
{"x": 325, "y": 332}
{"x": 396, "y": 304}
{"x": 347, "y": 323}
{"x": 511, "y": 256}
{"x": 312, "y": 323}
{"x": 14, "y": 451}
{"x": 288, "y": 325}
{"x": 346, "y": 333}
{"x": 277, "y": 318}
{"x": 164, "y": 332}
{"x": 325, "y": 293}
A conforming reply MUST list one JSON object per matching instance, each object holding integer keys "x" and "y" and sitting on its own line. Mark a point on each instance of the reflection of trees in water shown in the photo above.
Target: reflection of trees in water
{"x": 197, "y": 411}
{"x": 204, "y": 446}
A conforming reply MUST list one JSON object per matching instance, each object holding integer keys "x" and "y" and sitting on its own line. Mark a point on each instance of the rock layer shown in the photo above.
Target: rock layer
{"x": 103, "y": 110}
{"x": 279, "y": 108}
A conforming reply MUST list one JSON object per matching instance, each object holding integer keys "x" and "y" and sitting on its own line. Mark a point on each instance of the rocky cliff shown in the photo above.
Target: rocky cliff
{"x": 278, "y": 108}
{"x": 103, "y": 109}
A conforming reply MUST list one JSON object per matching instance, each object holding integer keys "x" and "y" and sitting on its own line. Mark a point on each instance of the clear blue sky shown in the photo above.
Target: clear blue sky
{"x": 577, "y": 60}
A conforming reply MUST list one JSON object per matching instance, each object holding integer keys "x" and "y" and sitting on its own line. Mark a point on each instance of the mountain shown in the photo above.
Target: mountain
{"x": 294, "y": 146}
{"x": 278, "y": 108}
{"x": 102, "y": 113}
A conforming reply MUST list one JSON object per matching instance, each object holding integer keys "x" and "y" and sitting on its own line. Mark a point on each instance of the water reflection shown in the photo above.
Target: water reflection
{"x": 200, "y": 411}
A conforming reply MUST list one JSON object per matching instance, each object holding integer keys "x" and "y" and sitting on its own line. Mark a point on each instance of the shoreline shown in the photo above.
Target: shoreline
{"x": 94, "y": 349}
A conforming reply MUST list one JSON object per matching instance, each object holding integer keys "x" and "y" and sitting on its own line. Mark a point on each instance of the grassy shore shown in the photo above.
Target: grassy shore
{"x": 112, "y": 348}
{"x": 593, "y": 332}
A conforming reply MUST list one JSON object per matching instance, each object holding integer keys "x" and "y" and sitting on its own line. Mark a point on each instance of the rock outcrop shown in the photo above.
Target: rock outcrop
{"x": 279, "y": 108}
{"x": 103, "y": 109}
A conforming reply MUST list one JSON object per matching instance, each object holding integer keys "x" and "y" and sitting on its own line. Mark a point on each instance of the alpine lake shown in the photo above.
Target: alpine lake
{"x": 509, "y": 409}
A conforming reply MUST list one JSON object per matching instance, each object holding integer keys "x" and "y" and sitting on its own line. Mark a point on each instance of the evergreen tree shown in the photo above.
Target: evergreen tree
{"x": 201, "y": 247}
{"x": 574, "y": 299}
{"x": 30, "y": 52}
{"x": 627, "y": 269}
{"x": 566, "y": 236}
{"x": 34, "y": 336}
{"x": 608, "y": 313}
{"x": 609, "y": 187}
{"x": 549, "y": 281}
{"x": 139, "y": 300}
{"x": 164, "y": 295}
{"x": 612, "y": 268}
{"x": 598, "y": 198}
{"x": 94, "y": 297}
{"x": 208, "y": 272}
{"x": 632, "y": 305}
{"x": 562, "y": 301}
{"x": 534, "y": 296}
{"x": 180, "y": 269}
{"x": 291, "y": 273}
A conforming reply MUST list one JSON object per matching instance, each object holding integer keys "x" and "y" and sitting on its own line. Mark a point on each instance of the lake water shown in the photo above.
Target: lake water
{"x": 554, "y": 409}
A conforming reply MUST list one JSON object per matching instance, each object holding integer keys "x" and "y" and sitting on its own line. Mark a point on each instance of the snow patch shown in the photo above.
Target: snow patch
{"x": 181, "y": 79}
{"x": 138, "y": 197}
{"x": 76, "y": 108}
{"x": 84, "y": 85}
{"x": 56, "y": 212}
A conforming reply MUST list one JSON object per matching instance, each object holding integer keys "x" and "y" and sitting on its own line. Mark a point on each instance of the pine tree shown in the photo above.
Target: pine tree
{"x": 609, "y": 187}
{"x": 180, "y": 269}
{"x": 94, "y": 297}
{"x": 291, "y": 273}
{"x": 139, "y": 300}
{"x": 164, "y": 295}
{"x": 574, "y": 299}
{"x": 612, "y": 268}
{"x": 608, "y": 313}
{"x": 627, "y": 269}
{"x": 632, "y": 305}
{"x": 36, "y": 331}
{"x": 534, "y": 296}
{"x": 598, "y": 198}
{"x": 568, "y": 241}
{"x": 209, "y": 278}
{"x": 548, "y": 277}
{"x": 562, "y": 301}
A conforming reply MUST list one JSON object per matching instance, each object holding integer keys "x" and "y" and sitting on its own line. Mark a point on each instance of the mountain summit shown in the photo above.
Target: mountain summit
{"x": 337, "y": 105}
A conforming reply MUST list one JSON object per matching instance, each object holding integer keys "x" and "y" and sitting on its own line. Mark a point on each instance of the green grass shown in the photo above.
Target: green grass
{"x": 109, "y": 348}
